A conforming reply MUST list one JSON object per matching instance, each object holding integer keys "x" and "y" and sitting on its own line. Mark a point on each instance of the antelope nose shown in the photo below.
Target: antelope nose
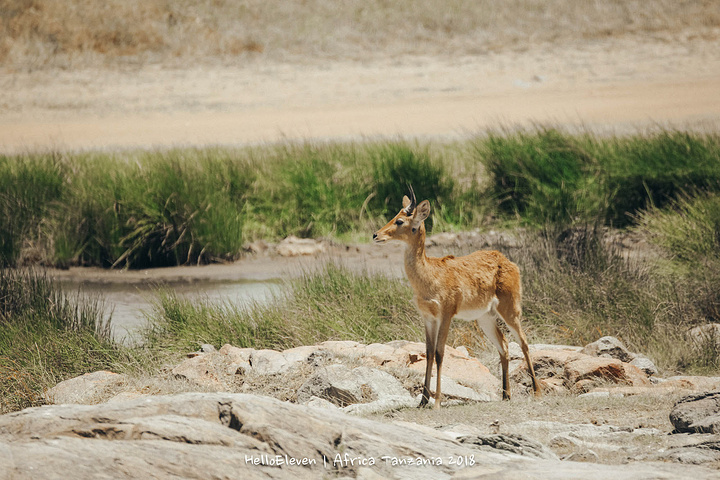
{"x": 375, "y": 236}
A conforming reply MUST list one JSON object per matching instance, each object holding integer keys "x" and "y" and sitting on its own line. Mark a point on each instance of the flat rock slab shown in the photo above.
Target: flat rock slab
{"x": 245, "y": 436}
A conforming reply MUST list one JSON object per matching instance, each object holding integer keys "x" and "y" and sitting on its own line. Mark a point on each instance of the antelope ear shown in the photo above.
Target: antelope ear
{"x": 406, "y": 201}
{"x": 421, "y": 213}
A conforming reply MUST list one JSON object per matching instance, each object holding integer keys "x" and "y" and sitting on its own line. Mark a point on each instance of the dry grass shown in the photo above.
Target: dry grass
{"x": 64, "y": 33}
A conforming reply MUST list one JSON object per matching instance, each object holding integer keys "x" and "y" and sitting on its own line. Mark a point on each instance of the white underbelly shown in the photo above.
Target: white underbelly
{"x": 480, "y": 315}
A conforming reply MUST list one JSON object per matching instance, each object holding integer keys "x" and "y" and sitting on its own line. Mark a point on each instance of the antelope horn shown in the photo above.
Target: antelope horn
{"x": 413, "y": 201}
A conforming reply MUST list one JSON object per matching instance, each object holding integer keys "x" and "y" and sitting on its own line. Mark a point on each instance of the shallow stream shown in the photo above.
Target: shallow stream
{"x": 130, "y": 303}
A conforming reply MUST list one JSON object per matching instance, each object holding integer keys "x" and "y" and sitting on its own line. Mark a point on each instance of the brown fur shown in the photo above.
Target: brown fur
{"x": 448, "y": 286}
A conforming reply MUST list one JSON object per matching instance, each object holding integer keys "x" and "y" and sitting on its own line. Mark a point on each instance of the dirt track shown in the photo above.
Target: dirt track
{"x": 618, "y": 85}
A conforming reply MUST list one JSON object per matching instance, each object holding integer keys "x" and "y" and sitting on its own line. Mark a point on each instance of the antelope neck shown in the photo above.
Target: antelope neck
{"x": 415, "y": 258}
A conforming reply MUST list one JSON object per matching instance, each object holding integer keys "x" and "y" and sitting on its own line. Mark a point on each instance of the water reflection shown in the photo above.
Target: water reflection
{"x": 130, "y": 302}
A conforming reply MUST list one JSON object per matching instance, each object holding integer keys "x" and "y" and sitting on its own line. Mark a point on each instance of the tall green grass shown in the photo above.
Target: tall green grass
{"x": 161, "y": 208}
{"x": 153, "y": 209}
{"x": 689, "y": 230}
{"x": 549, "y": 176}
{"x": 158, "y": 208}
{"x": 47, "y": 336}
{"x": 28, "y": 188}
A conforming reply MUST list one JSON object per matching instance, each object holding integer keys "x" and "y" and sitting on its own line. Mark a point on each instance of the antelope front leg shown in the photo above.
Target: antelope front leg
{"x": 429, "y": 356}
{"x": 430, "y": 311}
{"x": 439, "y": 355}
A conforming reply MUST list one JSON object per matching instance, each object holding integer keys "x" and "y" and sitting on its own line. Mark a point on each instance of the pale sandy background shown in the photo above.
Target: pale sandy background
{"x": 618, "y": 84}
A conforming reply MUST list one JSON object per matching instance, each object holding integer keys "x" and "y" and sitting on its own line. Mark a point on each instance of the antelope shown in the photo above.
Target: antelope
{"x": 482, "y": 286}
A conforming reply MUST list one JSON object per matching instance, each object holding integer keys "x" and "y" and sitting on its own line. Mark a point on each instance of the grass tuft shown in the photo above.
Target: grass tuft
{"x": 46, "y": 337}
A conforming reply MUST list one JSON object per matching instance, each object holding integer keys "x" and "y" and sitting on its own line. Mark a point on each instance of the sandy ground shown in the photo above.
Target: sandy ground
{"x": 617, "y": 85}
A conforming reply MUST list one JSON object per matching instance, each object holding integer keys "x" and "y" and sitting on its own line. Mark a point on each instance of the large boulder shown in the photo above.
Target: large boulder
{"x": 457, "y": 365}
{"x": 698, "y": 413}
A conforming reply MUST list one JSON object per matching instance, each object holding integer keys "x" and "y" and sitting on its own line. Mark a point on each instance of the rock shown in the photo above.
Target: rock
{"x": 704, "y": 335}
{"x": 344, "y": 348}
{"x": 125, "y": 396}
{"x": 293, "y": 246}
{"x": 645, "y": 364}
{"x": 223, "y": 435}
{"x": 697, "y": 383}
{"x": 269, "y": 362}
{"x": 515, "y": 352}
{"x": 383, "y": 404}
{"x": 588, "y": 442}
{"x": 237, "y": 355}
{"x": 548, "y": 364}
{"x": 626, "y": 391}
{"x": 298, "y": 355}
{"x": 257, "y": 247}
{"x": 699, "y": 413}
{"x": 582, "y": 373}
{"x": 697, "y": 454}
{"x": 705, "y": 339}
{"x": 512, "y": 443}
{"x": 85, "y": 389}
{"x": 380, "y": 354}
{"x": 586, "y": 456}
{"x": 609, "y": 347}
{"x": 342, "y": 386}
{"x": 453, "y": 390}
{"x": 215, "y": 436}
{"x": 462, "y": 368}
{"x": 554, "y": 385}
{"x": 318, "y": 402}
{"x": 214, "y": 371}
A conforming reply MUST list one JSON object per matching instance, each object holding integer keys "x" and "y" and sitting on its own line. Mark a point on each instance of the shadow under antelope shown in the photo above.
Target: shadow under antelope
{"x": 482, "y": 286}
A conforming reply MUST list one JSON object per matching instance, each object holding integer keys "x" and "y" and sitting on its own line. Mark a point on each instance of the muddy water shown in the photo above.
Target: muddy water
{"x": 130, "y": 303}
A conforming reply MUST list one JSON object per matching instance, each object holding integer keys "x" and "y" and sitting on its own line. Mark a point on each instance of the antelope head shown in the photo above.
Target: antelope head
{"x": 406, "y": 224}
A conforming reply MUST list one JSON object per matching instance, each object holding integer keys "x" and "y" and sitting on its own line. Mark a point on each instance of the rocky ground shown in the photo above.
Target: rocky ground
{"x": 344, "y": 409}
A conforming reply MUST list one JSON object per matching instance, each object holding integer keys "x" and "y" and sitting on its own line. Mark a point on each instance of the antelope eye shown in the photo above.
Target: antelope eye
{"x": 399, "y": 222}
